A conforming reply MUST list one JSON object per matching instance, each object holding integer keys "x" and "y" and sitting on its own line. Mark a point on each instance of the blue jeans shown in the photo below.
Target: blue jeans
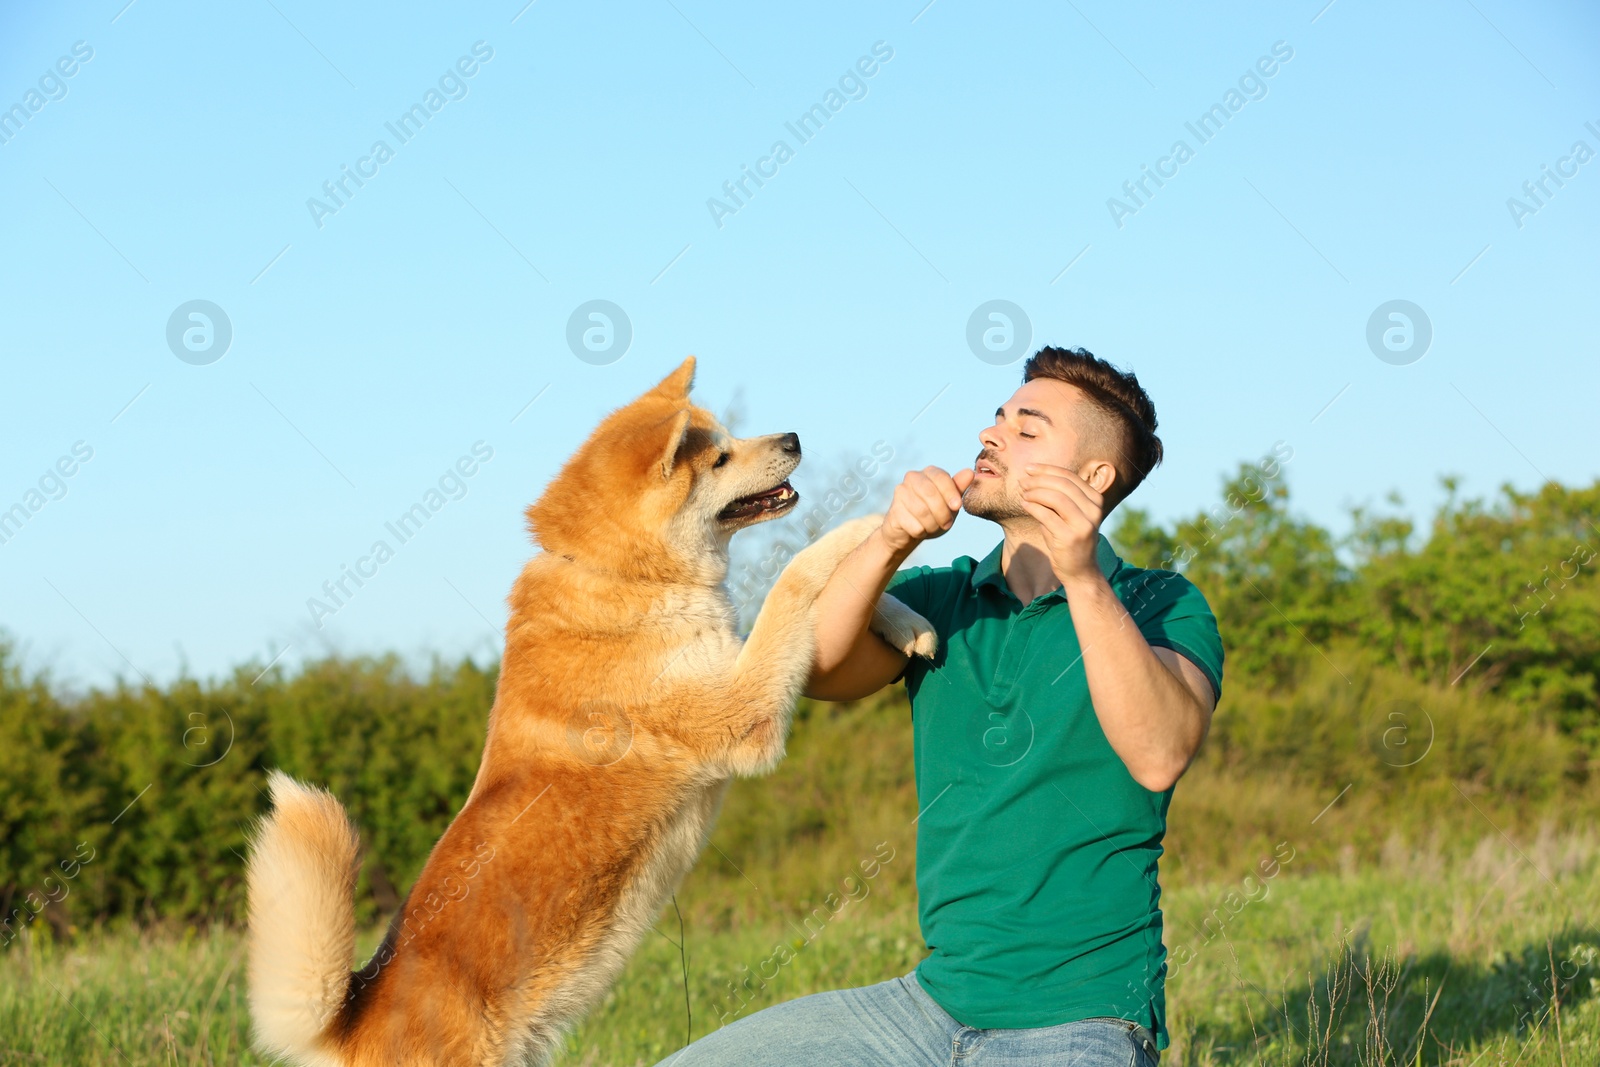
{"x": 897, "y": 1024}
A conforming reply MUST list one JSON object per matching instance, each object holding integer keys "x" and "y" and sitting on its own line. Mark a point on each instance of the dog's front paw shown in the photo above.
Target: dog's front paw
{"x": 903, "y": 628}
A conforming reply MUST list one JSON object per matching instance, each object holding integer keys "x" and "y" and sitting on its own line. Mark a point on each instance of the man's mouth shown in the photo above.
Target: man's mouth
{"x": 982, "y": 468}
{"x": 780, "y": 497}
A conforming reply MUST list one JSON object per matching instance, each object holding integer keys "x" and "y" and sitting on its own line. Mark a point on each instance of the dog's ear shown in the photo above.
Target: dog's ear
{"x": 676, "y": 385}
{"x": 677, "y": 430}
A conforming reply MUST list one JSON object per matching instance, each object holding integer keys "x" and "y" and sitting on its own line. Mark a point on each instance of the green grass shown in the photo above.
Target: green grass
{"x": 1484, "y": 934}
{"x": 1466, "y": 876}
{"x": 1477, "y": 933}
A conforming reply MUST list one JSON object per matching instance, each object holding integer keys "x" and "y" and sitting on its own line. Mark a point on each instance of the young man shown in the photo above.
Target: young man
{"x": 1070, "y": 692}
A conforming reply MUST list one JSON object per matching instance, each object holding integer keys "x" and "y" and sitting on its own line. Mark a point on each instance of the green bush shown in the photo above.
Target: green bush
{"x": 1413, "y": 692}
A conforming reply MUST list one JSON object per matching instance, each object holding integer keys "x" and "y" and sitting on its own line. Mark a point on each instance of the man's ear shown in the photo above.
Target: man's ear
{"x": 677, "y": 430}
{"x": 1100, "y": 474}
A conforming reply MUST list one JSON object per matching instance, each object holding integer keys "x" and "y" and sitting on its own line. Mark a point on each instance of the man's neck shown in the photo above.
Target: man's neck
{"x": 1025, "y": 563}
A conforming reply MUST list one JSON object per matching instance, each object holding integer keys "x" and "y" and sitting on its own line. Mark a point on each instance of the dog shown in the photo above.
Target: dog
{"x": 626, "y": 703}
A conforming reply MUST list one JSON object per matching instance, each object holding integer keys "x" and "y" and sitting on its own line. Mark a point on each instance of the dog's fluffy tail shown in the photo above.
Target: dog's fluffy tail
{"x": 301, "y": 878}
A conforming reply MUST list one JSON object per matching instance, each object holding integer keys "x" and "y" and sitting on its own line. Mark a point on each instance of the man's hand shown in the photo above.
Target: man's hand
{"x": 1069, "y": 511}
{"x": 925, "y": 505}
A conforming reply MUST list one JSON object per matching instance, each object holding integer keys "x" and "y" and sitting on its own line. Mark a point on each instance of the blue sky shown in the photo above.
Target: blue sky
{"x": 374, "y": 345}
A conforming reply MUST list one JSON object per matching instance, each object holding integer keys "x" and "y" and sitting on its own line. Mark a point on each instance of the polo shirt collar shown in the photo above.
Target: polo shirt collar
{"x": 988, "y": 571}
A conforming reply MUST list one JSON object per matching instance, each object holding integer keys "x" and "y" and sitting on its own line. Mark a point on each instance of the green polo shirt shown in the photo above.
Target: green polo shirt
{"x": 1036, "y": 849}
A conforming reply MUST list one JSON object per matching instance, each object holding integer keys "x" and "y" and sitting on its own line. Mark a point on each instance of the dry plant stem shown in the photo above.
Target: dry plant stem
{"x": 1238, "y": 977}
{"x": 1379, "y": 982}
{"x": 1555, "y": 1000}
{"x": 1414, "y": 1050}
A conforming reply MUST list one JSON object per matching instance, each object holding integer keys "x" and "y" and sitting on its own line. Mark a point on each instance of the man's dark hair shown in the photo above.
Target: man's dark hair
{"x": 1121, "y": 422}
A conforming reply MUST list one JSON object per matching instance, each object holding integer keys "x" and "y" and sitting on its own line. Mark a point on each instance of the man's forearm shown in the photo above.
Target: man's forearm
{"x": 852, "y": 661}
{"x": 1149, "y": 716}
{"x": 845, "y": 606}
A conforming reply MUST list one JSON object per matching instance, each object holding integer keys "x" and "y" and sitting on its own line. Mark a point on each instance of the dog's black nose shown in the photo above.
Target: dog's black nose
{"x": 790, "y": 442}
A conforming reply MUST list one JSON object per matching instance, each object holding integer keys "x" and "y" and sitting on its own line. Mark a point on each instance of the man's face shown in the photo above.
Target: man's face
{"x": 1035, "y": 426}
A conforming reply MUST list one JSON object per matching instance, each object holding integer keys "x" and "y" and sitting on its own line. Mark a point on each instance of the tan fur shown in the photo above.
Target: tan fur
{"x": 303, "y": 933}
{"x": 626, "y": 703}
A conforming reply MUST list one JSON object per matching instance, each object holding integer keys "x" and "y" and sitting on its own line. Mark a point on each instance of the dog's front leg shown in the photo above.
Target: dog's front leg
{"x": 772, "y": 667}
{"x": 903, "y": 628}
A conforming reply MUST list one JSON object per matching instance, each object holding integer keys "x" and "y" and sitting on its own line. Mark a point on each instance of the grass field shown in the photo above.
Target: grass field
{"x": 1477, "y": 941}
{"x": 1438, "y": 885}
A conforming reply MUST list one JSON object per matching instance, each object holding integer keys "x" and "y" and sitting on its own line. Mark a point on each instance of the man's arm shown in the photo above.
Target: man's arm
{"x": 853, "y": 662}
{"x": 1153, "y": 704}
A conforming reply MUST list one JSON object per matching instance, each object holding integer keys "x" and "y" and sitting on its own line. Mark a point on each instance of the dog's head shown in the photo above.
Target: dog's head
{"x": 660, "y": 486}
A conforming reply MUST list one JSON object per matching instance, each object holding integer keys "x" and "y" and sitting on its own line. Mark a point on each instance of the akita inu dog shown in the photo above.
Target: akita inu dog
{"x": 626, "y": 703}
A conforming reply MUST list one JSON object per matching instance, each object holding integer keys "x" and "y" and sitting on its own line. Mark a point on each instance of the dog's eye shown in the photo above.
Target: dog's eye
{"x": 721, "y": 459}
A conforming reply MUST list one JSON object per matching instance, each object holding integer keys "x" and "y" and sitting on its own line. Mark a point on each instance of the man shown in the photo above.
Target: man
{"x": 1070, "y": 692}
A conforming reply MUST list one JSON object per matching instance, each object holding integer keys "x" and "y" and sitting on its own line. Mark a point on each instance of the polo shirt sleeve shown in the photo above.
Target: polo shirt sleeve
{"x": 1171, "y": 612}
{"x": 910, "y": 587}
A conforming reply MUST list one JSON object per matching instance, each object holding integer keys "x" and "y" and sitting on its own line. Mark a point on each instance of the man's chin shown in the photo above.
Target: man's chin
{"x": 984, "y": 506}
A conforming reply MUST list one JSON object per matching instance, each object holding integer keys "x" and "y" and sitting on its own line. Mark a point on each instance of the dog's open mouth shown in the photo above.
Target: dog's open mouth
{"x": 780, "y": 497}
